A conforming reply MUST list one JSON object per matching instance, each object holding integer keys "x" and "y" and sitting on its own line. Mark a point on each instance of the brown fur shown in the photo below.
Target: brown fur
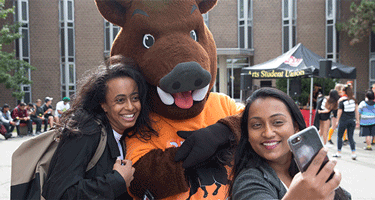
{"x": 170, "y": 23}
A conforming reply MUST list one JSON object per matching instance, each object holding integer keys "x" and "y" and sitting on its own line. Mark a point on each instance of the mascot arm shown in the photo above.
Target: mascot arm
{"x": 234, "y": 124}
{"x": 205, "y": 143}
{"x": 157, "y": 172}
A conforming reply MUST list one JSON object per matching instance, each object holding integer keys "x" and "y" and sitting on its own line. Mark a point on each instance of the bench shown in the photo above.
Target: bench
{"x": 23, "y": 128}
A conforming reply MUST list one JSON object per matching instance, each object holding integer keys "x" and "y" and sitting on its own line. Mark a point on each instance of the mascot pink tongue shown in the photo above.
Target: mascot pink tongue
{"x": 183, "y": 100}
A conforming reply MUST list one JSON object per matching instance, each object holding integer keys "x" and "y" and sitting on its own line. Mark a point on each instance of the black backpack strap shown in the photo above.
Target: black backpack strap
{"x": 99, "y": 151}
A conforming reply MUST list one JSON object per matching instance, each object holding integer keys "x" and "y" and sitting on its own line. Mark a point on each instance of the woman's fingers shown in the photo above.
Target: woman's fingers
{"x": 127, "y": 162}
{"x": 314, "y": 167}
{"x": 334, "y": 182}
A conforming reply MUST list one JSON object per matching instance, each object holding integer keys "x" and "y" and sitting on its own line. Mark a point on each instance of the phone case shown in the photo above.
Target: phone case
{"x": 305, "y": 145}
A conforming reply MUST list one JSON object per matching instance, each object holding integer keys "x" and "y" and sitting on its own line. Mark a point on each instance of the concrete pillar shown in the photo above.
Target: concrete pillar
{"x": 223, "y": 76}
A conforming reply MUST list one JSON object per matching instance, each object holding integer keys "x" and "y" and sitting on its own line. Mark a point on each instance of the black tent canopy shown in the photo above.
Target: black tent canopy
{"x": 298, "y": 61}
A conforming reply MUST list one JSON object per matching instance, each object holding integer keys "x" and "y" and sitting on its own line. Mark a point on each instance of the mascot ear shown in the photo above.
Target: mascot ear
{"x": 205, "y": 5}
{"x": 113, "y": 11}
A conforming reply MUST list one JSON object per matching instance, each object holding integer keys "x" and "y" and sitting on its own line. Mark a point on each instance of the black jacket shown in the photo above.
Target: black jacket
{"x": 262, "y": 182}
{"x": 258, "y": 183}
{"x": 67, "y": 178}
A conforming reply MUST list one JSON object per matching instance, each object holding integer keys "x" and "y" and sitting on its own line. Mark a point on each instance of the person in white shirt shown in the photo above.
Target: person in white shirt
{"x": 61, "y": 107}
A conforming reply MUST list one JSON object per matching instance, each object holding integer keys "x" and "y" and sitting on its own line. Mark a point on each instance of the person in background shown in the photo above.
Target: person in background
{"x": 61, "y": 107}
{"x": 48, "y": 113}
{"x": 328, "y": 104}
{"x": 264, "y": 167}
{"x": 316, "y": 93}
{"x": 348, "y": 117}
{"x": 366, "y": 110}
{"x": 20, "y": 114}
{"x": 338, "y": 87}
{"x": 7, "y": 121}
{"x": 38, "y": 117}
{"x": 373, "y": 90}
{"x": 115, "y": 96}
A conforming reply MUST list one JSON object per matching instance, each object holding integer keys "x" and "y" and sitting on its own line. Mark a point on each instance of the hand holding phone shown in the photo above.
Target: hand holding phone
{"x": 312, "y": 184}
{"x": 305, "y": 145}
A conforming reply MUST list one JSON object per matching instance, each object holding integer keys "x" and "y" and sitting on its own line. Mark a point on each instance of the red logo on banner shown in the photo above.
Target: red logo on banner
{"x": 293, "y": 61}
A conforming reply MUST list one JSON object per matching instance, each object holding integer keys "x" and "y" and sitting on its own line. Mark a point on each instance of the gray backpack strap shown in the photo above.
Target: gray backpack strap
{"x": 99, "y": 151}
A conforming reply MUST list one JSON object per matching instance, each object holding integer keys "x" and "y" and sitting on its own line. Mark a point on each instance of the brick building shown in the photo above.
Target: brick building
{"x": 65, "y": 38}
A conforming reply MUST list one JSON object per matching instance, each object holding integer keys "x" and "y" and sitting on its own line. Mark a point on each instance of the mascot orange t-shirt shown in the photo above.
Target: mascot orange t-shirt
{"x": 167, "y": 128}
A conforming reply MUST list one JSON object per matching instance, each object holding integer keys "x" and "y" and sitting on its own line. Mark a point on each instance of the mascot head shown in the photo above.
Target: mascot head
{"x": 173, "y": 48}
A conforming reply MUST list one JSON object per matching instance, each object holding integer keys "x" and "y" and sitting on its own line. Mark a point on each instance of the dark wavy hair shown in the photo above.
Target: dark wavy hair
{"x": 349, "y": 92}
{"x": 370, "y": 95}
{"x": 245, "y": 156}
{"x": 332, "y": 100}
{"x": 86, "y": 104}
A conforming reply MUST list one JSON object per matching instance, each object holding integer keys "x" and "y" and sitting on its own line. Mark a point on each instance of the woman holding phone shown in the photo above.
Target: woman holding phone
{"x": 264, "y": 167}
{"x": 114, "y": 96}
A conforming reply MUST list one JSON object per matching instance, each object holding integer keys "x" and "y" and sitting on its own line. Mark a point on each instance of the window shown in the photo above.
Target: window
{"x": 245, "y": 24}
{"x": 110, "y": 33}
{"x": 265, "y": 83}
{"x": 234, "y": 67}
{"x": 289, "y": 17}
{"x": 372, "y": 71}
{"x": 372, "y": 43}
{"x": 332, "y": 37}
{"x": 67, "y": 48}
{"x": 205, "y": 19}
{"x": 372, "y": 59}
{"x": 22, "y": 44}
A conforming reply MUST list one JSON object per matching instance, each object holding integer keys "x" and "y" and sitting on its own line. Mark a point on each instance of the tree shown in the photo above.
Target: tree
{"x": 328, "y": 84}
{"x": 361, "y": 23}
{"x": 12, "y": 70}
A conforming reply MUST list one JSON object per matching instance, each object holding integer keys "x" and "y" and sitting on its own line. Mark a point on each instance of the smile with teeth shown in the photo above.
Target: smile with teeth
{"x": 183, "y": 99}
{"x": 128, "y": 117}
{"x": 270, "y": 143}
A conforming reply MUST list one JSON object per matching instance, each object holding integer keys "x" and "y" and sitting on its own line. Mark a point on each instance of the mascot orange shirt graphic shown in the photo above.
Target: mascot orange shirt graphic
{"x": 176, "y": 54}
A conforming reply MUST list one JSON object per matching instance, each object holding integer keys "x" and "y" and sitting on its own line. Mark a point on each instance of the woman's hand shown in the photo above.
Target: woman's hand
{"x": 313, "y": 185}
{"x": 126, "y": 170}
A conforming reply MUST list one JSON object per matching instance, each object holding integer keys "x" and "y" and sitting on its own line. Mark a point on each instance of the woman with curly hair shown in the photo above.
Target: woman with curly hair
{"x": 113, "y": 98}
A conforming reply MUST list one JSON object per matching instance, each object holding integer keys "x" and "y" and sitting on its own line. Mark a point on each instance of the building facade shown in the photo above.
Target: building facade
{"x": 64, "y": 39}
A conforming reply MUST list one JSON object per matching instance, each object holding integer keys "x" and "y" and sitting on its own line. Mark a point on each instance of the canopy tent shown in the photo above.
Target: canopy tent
{"x": 297, "y": 62}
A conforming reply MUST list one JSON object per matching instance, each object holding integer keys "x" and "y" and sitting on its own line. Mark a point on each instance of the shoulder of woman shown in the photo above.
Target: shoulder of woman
{"x": 90, "y": 127}
{"x": 257, "y": 183}
{"x": 257, "y": 174}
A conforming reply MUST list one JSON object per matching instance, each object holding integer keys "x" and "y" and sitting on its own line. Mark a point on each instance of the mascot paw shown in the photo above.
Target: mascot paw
{"x": 202, "y": 144}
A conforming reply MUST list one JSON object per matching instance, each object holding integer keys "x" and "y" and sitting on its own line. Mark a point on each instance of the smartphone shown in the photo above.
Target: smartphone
{"x": 305, "y": 145}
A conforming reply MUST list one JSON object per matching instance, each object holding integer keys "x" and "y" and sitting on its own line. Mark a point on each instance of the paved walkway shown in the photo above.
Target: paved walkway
{"x": 358, "y": 175}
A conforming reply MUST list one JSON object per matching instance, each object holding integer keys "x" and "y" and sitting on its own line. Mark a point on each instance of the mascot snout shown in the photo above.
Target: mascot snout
{"x": 186, "y": 83}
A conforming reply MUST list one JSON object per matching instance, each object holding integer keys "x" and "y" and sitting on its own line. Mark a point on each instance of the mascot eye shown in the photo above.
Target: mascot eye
{"x": 148, "y": 40}
{"x": 193, "y": 35}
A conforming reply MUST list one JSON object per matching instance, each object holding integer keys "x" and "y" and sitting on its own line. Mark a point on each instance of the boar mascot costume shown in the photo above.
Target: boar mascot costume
{"x": 176, "y": 53}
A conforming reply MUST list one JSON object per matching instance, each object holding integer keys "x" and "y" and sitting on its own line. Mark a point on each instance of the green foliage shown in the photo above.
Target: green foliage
{"x": 361, "y": 24}
{"x": 328, "y": 84}
{"x": 12, "y": 71}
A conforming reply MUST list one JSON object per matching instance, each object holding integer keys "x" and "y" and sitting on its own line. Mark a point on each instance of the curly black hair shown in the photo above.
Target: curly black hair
{"x": 86, "y": 104}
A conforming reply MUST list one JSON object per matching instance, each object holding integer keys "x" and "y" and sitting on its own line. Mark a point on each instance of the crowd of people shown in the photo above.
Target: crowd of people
{"x": 31, "y": 114}
{"x": 341, "y": 110}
